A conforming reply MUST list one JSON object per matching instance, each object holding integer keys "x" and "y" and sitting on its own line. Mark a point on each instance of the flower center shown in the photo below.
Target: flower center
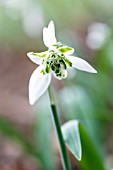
{"x": 56, "y": 63}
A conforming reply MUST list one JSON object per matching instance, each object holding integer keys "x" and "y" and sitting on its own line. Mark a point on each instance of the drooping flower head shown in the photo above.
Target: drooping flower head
{"x": 55, "y": 61}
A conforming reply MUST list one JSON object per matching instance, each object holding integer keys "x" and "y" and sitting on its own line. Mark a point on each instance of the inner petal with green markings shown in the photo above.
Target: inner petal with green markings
{"x": 56, "y": 63}
{"x": 55, "y": 60}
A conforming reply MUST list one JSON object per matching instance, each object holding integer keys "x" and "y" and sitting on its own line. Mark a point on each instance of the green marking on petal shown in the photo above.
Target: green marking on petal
{"x": 68, "y": 62}
{"x": 58, "y": 44}
{"x": 41, "y": 55}
{"x": 47, "y": 69}
{"x": 65, "y": 49}
{"x": 63, "y": 63}
{"x": 43, "y": 72}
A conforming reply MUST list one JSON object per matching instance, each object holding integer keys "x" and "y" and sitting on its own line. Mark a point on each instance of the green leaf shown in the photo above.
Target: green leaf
{"x": 72, "y": 138}
{"x": 91, "y": 157}
{"x": 66, "y": 49}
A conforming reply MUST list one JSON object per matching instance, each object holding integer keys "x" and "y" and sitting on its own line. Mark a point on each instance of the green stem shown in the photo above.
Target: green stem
{"x": 65, "y": 161}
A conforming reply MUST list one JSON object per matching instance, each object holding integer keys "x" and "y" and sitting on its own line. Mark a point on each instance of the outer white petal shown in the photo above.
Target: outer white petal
{"x": 34, "y": 59}
{"x": 81, "y": 64}
{"x": 38, "y": 84}
{"x": 49, "y": 35}
{"x": 45, "y": 37}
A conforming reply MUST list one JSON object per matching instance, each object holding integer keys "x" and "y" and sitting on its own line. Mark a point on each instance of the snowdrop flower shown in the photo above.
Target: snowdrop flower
{"x": 55, "y": 61}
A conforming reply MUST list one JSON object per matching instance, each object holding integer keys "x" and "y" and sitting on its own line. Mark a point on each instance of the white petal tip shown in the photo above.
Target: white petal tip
{"x": 31, "y": 102}
{"x": 51, "y": 22}
{"x": 81, "y": 64}
{"x": 29, "y": 54}
{"x": 93, "y": 70}
{"x": 33, "y": 58}
{"x": 49, "y": 35}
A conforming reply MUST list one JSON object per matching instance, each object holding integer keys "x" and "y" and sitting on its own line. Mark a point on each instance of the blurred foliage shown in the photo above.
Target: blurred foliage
{"x": 9, "y": 130}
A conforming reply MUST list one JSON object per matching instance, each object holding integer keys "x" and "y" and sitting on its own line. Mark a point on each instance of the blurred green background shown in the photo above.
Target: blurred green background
{"x": 27, "y": 138}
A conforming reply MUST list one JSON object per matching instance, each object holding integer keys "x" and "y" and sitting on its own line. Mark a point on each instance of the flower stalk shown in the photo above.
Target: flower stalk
{"x": 64, "y": 157}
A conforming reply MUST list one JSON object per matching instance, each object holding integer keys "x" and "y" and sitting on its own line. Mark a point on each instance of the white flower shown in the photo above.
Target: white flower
{"x": 55, "y": 61}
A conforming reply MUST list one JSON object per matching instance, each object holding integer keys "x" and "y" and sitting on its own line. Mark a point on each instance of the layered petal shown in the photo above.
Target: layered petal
{"x": 38, "y": 84}
{"x": 81, "y": 64}
{"x": 34, "y": 58}
{"x": 49, "y": 35}
{"x": 45, "y": 37}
